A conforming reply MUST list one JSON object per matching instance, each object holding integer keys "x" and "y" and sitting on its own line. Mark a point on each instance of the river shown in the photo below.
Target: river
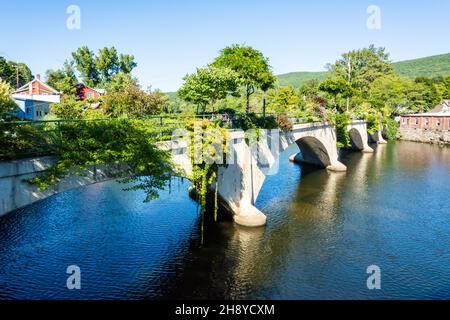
{"x": 391, "y": 209}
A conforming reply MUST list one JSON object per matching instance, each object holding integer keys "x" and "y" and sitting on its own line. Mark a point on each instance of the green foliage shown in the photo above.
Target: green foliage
{"x": 336, "y": 87}
{"x": 119, "y": 82}
{"x": 99, "y": 69}
{"x": 432, "y": 66}
{"x": 9, "y": 71}
{"x": 424, "y": 67}
{"x": 69, "y": 109}
{"x": 85, "y": 62}
{"x": 63, "y": 80}
{"x": 283, "y": 99}
{"x": 373, "y": 123}
{"x": 208, "y": 153}
{"x": 124, "y": 145}
{"x": 361, "y": 67}
{"x": 342, "y": 121}
{"x": 133, "y": 102}
{"x": 390, "y": 128}
{"x": 6, "y": 103}
{"x": 251, "y": 65}
{"x": 299, "y": 79}
{"x": 208, "y": 86}
{"x": 17, "y": 141}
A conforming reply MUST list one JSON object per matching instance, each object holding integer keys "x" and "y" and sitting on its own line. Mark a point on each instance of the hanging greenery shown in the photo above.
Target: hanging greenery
{"x": 208, "y": 152}
{"x": 123, "y": 144}
{"x": 342, "y": 121}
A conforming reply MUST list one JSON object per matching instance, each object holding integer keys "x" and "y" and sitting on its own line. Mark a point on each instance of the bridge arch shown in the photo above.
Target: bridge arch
{"x": 312, "y": 152}
{"x": 359, "y": 138}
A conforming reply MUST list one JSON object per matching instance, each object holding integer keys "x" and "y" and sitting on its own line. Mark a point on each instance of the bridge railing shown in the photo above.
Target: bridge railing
{"x": 22, "y": 139}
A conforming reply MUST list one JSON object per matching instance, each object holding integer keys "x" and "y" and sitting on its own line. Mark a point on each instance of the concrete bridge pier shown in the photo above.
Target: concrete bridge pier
{"x": 359, "y": 138}
{"x": 378, "y": 138}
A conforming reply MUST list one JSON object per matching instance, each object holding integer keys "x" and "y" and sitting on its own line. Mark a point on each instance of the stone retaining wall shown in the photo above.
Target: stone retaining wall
{"x": 425, "y": 135}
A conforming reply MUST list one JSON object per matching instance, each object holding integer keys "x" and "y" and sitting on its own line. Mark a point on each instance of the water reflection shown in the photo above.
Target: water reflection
{"x": 390, "y": 209}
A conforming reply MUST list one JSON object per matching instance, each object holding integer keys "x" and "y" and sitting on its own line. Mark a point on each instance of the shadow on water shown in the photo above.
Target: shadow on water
{"x": 390, "y": 208}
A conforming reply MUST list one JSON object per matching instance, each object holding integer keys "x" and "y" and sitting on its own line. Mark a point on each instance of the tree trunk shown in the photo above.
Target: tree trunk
{"x": 264, "y": 105}
{"x": 247, "y": 107}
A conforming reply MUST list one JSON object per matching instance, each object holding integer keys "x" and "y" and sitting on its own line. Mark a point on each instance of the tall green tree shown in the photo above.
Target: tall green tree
{"x": 85, "y": 61}
{"x": 360, "y": 68}
{"x": 127, "y": 63}
{"x": 107, "y": 63}
{"x": 6, "y": 103}
{"x": 208, "y": 85}
{"x": 336, "y": 87}
{"x": 251, "y": 65}
{"x": 64, "y": 80}
{"x": 15, "y": 74}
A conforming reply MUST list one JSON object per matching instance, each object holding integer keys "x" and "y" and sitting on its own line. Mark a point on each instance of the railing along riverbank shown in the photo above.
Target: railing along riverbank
{"x": 23, "y": 139}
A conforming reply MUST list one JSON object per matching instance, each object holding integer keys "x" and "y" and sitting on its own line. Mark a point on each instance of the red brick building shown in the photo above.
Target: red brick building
{"x": 436, "y": 119}
{"x": 432, "y": 127}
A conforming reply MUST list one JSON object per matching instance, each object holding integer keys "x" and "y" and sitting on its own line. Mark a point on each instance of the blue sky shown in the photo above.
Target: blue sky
{"x": 171, "y": 38}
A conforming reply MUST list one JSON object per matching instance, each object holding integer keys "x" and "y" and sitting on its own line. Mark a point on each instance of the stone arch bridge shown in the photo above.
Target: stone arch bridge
{"x": 240, "y": 182}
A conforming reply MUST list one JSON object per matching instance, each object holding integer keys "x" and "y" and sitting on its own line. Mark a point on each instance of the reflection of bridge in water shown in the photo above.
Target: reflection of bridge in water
{"x": 240, "y": 181}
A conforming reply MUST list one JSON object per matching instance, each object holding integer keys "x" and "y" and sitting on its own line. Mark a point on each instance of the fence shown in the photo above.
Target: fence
{"x": 21, "y": 139}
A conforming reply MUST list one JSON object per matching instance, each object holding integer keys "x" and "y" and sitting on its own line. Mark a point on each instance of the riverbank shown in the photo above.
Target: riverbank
{"x": 439, "y": 137}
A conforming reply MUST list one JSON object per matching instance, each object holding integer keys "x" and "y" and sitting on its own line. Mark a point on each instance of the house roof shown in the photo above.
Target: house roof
{"x": 440, "y": 110}
{"x": 443, "y": 107}
{"x": 43, "y": 84}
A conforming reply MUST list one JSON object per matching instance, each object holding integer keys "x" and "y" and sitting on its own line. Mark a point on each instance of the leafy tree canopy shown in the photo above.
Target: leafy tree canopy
{"x": 208, "y": 85}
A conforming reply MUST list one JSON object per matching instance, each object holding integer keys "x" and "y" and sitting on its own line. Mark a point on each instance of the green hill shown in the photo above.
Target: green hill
{"x": 432, "y": 66}
{"x": 424, "y": 67}
{"x": 296, "y": 79}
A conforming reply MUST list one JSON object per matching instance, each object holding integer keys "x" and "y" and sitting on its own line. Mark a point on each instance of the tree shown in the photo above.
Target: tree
{"x": 336, "y": 87}
{"x": 100, "y": 69}
{"x": 362, "y": 67}
{"x": 107, "y": 63}
{"x": 6, "y": 103}
{"x": 430, "y": 93}
{"x": 266, "y": 84}
{"x": 64, "y": 80}
{"x": 120, "y": 81}
{"x": 283, "y": 99}
{"x": 85, "y": 61}
{"x": 252, "y": 67}
{"x": 127, "y": 63}
{"x": 15, "y": 74}
{"x": 208, "y": 85}
{"x": 133, "y": 102}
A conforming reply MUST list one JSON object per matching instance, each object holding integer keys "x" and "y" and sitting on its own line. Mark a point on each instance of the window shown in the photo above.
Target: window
{"x": 426, "y": 122}
{"x": 417, "y": 120}
{"x": 28, "y": 110}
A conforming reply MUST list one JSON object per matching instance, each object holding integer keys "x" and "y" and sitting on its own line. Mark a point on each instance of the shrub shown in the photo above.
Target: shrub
{"x": 284, "y": 123}
{"x": 342, "y": 120}
{"x": 391, "y": 128}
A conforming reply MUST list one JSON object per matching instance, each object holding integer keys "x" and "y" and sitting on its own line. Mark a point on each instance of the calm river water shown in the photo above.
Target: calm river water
{"x": 391, "y": 209}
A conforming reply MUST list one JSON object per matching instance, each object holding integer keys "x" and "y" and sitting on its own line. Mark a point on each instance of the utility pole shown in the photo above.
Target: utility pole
{"x": 350, "y": 70}
{"x": 17, "y": 76}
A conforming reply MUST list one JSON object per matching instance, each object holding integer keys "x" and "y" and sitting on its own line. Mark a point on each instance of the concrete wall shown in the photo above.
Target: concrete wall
{"x": 16, "y": 193}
